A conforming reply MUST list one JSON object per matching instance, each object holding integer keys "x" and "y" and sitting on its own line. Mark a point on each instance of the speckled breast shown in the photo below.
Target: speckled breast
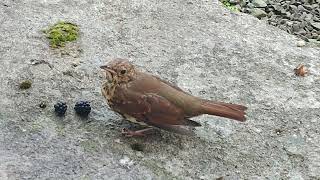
{"x": 108, "y": 90}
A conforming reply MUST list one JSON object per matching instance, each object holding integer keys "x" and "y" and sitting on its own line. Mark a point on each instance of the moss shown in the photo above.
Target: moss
{"x": 26, "y": 84}
{"x": 62, "y": 32}
{"x": 229, "y": 6}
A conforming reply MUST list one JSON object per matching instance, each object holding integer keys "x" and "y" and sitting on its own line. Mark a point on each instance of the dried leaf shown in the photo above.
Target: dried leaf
{"x": 301, "y": 70}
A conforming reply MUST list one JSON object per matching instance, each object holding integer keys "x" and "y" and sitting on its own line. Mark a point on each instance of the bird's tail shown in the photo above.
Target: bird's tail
{"x": 231, "y": 111}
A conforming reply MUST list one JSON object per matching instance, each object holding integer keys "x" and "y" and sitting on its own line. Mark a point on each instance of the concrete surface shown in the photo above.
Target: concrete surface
{"x": 200, "y": 46}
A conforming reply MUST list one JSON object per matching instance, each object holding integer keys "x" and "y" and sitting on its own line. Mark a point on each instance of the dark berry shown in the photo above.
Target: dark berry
{"x": 82, "y": 108}
{"x": 60, "y": 108}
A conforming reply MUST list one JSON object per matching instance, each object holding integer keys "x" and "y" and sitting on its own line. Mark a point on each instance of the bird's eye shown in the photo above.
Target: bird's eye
{"x": 123, "y": 71}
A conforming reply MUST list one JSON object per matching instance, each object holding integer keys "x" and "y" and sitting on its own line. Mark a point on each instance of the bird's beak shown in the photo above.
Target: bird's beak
{"x": 109, "y": 72}
{"x": 105, "y": 67}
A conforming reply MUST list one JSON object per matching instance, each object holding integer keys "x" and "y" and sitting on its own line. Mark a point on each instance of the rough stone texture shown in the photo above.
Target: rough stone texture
{"x": 199, "y": 45}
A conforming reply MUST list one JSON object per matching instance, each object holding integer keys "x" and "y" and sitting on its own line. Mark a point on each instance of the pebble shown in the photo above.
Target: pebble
{"x": 75, "y": 63}
{"x": 258, "y": 13}
{"x": 259, "y": 3}
{"x": 301, "y": 43}
{"x": 125, "y": 161}
{"x": 316, "y": 25}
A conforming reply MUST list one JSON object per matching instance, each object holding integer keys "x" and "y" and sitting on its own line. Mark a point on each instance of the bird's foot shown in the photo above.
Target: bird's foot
{"x": 129, "y": 133}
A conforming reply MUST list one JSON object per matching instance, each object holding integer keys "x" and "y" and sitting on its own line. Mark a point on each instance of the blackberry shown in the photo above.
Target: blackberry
{"x": 82, "y": 108}
{"x": 60, "y": 108}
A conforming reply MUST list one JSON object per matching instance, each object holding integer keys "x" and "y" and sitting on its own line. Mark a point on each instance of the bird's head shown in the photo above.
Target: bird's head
{"x": 119, "y": 71}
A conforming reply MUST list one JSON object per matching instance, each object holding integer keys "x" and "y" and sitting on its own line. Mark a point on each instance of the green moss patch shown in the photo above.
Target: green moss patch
{"x": 62, "y": 32}
{"x": 229, "y": 6}
{"x": 26, "y": 84}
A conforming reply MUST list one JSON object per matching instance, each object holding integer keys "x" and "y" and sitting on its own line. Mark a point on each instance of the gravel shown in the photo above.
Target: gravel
{"x": 301, "y": 18}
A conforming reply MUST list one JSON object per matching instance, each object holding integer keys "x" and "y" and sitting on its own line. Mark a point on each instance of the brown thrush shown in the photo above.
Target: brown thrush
{"x": 148, "y": 100}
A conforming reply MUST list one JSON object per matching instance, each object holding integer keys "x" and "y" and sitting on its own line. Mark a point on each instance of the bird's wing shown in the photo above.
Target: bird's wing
{"x": 154, "y": 110}
{"x": 165, "y": 112}
{"x": 169, "y": 84}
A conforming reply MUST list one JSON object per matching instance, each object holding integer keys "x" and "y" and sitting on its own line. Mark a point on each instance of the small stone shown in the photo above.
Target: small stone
{"x": 294, "y": 145}
{"x": 289, "y": 23}
{"x": 292, "y": 2}
{"x": 259, "y": 3}
{"x": 310, "y": 28}
{"x": 125, "y": 161}
{"x": 309, "y": 35}
{"x": 243, "y": 3}
{"x": 301, "y": 8}
{"x": 283, "y": 12}
{"x": 302, "y": 32}
{"x": 288, "y": 14}
{"x": 273, "y": 23}
{"x": 308, "y": 7}
{"x": 315, "y": 6}
{"x": 283, "y": 27}
{"x": 316, "y": 19}
{"x": 273, "y": 17}
{"x": 308, "y": 17}
{"x": 302, "y": 16}
{"x": 282, "y": 21}
{"x": 139, "y": 154}
{"x": 314, "y": 35}
{"x": 293, "y": 8}
{"x": 75, "y": 63}
{"x": 301, "y": 43}
{"x": 117, "y": 141}
{"x": 304, "y": 38}
{"x": 276, "y": 7}
{"x": 233, "y": 1}
{"x": 250, "y": 5}
{"x": 303, "y": 24}
{"x": 295, "y": 27}
{"x": 316, "y": 25}
{"x": 247, "y": 10}
{"x": 258, "y": 13}
{"x": 314, "y": 41}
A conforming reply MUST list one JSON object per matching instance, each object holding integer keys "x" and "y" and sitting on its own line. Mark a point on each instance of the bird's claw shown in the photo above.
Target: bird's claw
{"x": 128, "y": 133}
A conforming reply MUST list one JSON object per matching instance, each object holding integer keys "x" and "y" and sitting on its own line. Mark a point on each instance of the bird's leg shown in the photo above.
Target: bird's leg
{"x": 130, "y": 133}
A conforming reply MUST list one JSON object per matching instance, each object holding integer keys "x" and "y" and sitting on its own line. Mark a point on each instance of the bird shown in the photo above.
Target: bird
{"x": 150, "y": 101}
